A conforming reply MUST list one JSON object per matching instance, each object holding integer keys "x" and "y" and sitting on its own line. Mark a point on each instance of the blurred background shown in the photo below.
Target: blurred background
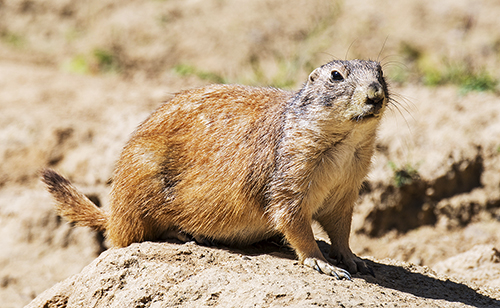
{"x": 262, "y": 42}
{"x": 76, "y": 78}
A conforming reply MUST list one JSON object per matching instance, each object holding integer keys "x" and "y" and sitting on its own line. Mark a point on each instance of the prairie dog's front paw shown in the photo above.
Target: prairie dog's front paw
{"x": 352, "y": 262}
{"x": 326, "y": 268}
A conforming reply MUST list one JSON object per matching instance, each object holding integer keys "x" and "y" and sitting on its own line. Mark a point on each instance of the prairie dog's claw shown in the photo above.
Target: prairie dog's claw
{"x": 326, "y": 268}
{"x": 204, "y": 241}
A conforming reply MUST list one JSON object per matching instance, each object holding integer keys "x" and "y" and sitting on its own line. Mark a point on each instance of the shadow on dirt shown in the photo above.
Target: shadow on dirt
{"x": 404, "y": 280}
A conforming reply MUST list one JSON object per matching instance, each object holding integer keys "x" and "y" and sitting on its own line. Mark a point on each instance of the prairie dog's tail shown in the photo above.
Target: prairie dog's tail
{"x": 72, "y": 204}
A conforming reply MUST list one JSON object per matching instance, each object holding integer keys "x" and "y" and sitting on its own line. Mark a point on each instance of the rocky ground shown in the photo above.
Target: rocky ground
{"x": 76, "y": 78}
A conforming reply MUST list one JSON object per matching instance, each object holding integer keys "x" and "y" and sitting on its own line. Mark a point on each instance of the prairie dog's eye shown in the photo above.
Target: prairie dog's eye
{"x": 336, "y": 75}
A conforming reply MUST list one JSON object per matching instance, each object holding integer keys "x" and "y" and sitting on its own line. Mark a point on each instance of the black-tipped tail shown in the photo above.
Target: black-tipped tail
{"x": 72, "y": 204}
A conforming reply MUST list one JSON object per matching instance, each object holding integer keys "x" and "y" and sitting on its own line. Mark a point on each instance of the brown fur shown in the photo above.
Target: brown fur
{"x": 240, "y": 164}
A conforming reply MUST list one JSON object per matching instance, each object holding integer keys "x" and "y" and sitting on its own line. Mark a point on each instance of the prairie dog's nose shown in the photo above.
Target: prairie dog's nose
{"x": 375, "y": 91}
{"x": 375, "y": 94}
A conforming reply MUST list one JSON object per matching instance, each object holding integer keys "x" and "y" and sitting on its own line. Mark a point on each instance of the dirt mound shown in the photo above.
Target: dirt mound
{"x": 167, "y": 275}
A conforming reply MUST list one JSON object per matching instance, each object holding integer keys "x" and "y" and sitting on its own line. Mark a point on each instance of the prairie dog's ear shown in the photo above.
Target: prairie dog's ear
{"x": 313, "y": 76}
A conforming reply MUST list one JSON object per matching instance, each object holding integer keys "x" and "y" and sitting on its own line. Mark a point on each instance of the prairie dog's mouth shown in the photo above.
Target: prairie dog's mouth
{"x": 364, "y": 116}
{"x": 372, "y": 112}
{"x": 369, "y": 104}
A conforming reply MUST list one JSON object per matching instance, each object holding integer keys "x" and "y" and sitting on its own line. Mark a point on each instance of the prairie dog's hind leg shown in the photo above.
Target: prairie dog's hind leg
{"x": 186, "y": 237}
{"x": 175, "y": 234}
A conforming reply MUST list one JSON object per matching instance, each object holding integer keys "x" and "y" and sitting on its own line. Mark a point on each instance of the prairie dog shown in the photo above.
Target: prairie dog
{"x": 239, "y": 164}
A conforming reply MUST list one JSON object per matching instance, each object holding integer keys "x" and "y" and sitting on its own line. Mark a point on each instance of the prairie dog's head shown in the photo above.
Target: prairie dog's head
{"x": 347, "y": 91}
